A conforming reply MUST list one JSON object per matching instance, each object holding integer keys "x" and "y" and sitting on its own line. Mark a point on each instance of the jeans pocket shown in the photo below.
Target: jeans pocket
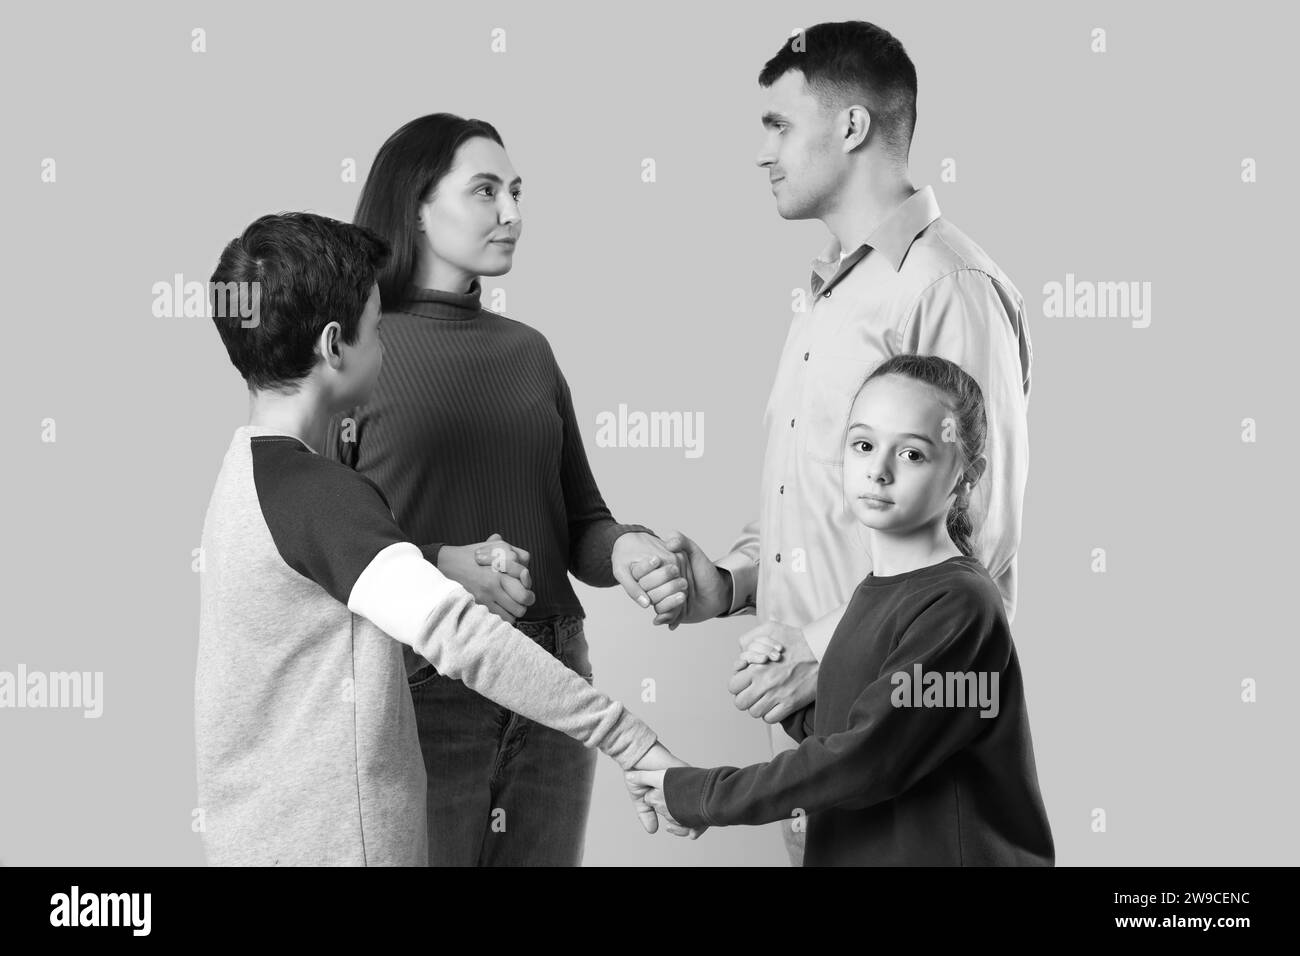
{"x": 574, "y": 652}
{"x": 421, "y": 677}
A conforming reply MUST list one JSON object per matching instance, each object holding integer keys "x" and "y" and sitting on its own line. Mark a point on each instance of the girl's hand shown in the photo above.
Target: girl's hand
{"x": 759, "y": 649}
{"x": 646, "y": 789}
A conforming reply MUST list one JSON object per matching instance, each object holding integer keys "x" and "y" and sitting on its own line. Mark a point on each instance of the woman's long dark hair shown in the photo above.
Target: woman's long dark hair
{"x": 405, "y": 173}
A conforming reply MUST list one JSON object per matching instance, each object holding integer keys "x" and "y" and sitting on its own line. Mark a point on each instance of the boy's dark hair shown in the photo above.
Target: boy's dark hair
{"x": 405, "y": 173}
{"x": 309, "y": 271}
{"x": 850, "y": 62}
{"x": 965, "y": 399}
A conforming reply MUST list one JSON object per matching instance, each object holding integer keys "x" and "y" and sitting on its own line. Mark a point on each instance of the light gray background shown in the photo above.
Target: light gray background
{"x": 1123, "y": 166}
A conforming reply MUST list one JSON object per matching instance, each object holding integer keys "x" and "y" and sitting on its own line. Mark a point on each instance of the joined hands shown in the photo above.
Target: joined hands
{"x": 645, "y": 785}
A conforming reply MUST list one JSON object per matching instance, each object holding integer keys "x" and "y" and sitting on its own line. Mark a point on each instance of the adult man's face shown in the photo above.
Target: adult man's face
{"x": 799, "y": 150}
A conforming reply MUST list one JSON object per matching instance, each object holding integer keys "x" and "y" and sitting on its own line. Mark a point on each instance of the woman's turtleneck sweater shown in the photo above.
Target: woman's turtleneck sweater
{"x": 470, "y": 430}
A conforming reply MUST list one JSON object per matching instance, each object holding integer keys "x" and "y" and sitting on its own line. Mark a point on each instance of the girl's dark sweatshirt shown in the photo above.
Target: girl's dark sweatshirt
{"x": 895, "y": 766}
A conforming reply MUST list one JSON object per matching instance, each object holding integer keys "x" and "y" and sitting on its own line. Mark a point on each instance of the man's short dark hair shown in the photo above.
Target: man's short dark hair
{"x": 855, "y": 62}
{"x": 310, "y": 270}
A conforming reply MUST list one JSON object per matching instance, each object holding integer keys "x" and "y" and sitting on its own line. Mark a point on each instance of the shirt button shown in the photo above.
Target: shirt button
{"x": 805, "y": 356}
{"x": 792, "y": 423}
{"x": 778, "y": 558}
{"x": 828, "y": 293}
{"x": 781, "y": 490}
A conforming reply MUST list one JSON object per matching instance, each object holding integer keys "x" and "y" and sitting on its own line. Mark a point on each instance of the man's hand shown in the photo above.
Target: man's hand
{"x": 638, "y": 551}
{"x": 494, "y": 572}
{"x": 698, "y": 590}
{"x": 775, "y": 690}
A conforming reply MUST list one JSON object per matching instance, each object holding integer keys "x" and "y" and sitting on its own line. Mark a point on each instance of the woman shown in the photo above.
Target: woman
{"x": 471, "y": 435}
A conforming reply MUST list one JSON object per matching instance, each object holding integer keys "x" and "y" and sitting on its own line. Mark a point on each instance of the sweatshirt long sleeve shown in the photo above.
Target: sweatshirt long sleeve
{"x": 890, "y": 770}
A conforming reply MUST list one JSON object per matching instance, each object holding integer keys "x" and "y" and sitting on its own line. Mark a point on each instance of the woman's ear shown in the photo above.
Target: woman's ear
{"x": 976, "y": 470}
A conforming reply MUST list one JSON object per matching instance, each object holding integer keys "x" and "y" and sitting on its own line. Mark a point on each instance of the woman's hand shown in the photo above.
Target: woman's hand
{"x": 646, "y": 552}
{"x": 494, "y": 572}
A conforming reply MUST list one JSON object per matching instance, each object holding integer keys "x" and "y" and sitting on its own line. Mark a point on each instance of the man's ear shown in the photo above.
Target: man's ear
{"x": 857, "y": 123}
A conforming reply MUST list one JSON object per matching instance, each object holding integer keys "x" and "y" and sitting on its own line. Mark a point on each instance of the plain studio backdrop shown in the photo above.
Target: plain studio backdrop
{"x": 1116, "y": 166}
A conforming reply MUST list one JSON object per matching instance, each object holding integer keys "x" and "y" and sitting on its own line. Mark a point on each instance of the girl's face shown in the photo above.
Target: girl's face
{"x": 472, "y": 221}
{"x": 900, "y": 474}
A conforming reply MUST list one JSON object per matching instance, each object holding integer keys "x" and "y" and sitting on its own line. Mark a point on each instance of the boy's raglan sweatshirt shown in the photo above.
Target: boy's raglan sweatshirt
{"x": 885, "y": 777}
{"x": 306, "y": 737}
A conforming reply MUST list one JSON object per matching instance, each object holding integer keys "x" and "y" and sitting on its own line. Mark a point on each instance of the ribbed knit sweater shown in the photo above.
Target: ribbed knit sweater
{"x": 471, "y": 430}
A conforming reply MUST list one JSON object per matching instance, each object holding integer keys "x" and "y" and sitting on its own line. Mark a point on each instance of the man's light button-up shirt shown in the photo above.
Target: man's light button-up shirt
{"x": 916, "y": 285}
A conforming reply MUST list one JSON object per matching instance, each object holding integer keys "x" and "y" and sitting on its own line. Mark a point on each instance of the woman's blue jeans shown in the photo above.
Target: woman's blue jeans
{"x": 503, "y": 790}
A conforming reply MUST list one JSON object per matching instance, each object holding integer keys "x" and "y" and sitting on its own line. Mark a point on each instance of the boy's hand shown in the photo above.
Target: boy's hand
{"x": 494, "y": 572}
{"x": 646, "y": 788}
{"x": 653, "y": 765}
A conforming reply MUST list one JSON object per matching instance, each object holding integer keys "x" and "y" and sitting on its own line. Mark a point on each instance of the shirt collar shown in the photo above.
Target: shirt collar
{"x": 892, "y": 239}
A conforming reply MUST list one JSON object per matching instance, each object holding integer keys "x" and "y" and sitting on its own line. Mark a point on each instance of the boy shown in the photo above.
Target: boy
{"x": 305, "y": 731}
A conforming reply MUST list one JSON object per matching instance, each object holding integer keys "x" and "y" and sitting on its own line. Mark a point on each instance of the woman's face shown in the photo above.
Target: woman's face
{"x": 472, "y": 221}
{"x": 901, "y": 464}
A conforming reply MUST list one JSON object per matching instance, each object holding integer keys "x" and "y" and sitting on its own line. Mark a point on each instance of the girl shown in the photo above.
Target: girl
{"x": 471, "y": 434}
{"x": 917, "y": 749}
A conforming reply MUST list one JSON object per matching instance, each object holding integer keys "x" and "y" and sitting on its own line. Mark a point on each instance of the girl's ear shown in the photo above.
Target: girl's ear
{"x": 977, "y": 469}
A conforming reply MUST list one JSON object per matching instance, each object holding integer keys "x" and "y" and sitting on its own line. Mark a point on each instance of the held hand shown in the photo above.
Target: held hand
{"x": 774, "y": 691}
{"x": 760, "y": 649}
{"x": 657, "y": 758}
{"x": 494, "y": 572}
{"x": 637, "y": 553}
{"x": 647, "y": 790}
{"x": 702, "y": 591}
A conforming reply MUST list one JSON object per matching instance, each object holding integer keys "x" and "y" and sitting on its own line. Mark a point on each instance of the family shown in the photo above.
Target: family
{"x": 393, "y": 667}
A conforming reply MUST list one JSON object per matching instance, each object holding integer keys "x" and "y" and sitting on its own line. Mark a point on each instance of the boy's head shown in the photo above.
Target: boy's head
{"x": 838, "y": 94}
{"x": 316, "y": 305}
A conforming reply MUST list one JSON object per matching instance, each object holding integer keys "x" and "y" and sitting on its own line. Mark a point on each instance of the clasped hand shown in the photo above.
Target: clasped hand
{"x": 646, "y": 788}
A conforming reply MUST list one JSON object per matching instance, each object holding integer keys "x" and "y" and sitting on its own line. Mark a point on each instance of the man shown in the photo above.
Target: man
{"x": 895, "y": 277}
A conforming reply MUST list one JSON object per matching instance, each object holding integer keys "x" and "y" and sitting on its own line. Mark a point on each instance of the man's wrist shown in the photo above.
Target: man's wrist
{"x": 742, "y": 577}
{"x": 728, "y": 591}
